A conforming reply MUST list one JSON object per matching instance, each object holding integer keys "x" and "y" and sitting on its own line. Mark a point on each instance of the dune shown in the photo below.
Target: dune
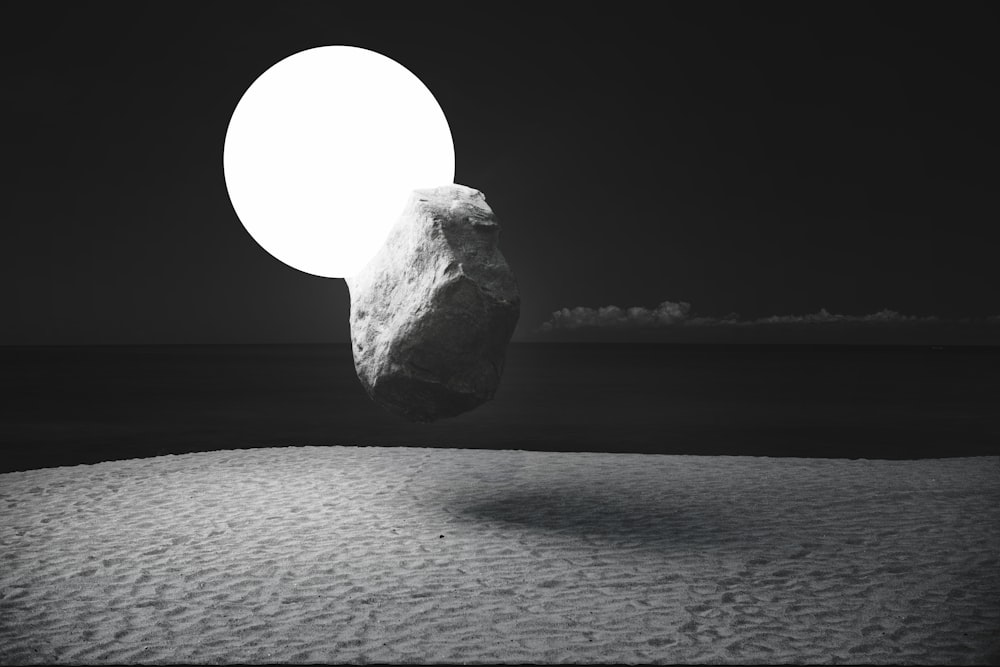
{"x": 420, "y": 555}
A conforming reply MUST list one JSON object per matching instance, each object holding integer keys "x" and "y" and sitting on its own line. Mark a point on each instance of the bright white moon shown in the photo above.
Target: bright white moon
{"x": 323, "y": 151}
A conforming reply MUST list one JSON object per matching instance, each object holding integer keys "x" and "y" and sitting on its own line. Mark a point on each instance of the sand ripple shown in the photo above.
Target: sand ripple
{"x": 344, "y": 554}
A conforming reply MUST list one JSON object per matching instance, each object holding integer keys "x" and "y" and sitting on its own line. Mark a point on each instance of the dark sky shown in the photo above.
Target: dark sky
{"x": 756, "y": 158}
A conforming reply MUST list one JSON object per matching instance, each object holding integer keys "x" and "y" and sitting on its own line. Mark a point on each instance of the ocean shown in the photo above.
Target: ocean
{"x": 72, "y": 405}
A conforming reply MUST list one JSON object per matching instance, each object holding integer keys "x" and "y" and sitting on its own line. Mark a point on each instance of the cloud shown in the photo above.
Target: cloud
{"x": 666, "y": 314}
{"x": 672, "y": 315}
{"x": 823, "y": 316}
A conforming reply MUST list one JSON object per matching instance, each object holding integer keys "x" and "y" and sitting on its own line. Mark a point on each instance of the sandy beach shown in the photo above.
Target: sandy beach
{"x": 403, "y": 555}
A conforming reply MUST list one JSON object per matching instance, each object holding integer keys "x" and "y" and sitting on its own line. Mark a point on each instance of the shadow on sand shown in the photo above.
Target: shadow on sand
{"x": 608, "y": 514}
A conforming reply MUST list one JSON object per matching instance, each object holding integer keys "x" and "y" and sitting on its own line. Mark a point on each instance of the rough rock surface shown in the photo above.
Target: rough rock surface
{"x": 432, "y": 313}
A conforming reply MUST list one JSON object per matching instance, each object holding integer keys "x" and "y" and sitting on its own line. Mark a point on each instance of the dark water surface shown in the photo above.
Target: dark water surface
{"x": 68, "y": 405}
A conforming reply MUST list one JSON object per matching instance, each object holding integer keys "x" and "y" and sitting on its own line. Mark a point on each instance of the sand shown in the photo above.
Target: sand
{"x": 368, "y": 554}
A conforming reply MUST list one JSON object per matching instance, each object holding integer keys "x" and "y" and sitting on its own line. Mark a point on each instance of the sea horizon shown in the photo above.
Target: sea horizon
{"x": 65, "y": 405}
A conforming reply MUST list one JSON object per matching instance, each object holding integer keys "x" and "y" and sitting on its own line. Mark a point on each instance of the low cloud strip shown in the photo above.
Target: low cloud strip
{"x": 670, "y": 314}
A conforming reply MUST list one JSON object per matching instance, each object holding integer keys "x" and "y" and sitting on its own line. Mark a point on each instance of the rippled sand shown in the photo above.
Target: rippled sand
{"x": 344, "y": 554}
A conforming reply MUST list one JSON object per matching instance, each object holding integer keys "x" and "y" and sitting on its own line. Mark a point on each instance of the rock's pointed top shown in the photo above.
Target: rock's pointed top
{"x": 450, "y": 192}
{"x": 455, "y": 204}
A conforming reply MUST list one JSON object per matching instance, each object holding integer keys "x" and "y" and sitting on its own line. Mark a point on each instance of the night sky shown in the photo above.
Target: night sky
{"x": 752, "y": 160}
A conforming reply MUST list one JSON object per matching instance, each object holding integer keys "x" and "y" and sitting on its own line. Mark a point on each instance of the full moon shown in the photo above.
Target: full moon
{"x": 323, "y": 150}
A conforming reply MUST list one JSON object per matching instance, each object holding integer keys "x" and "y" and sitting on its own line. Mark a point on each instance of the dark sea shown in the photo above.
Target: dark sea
{"x": 71, "y": 405}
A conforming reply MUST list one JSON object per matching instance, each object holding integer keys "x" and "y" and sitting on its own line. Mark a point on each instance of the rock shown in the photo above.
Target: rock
{"x": 432, "y": 313}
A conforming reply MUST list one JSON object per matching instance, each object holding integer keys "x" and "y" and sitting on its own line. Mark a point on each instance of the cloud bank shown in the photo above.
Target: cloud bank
{"x": 672, "y": 315}
{"x": 666, "y": 314}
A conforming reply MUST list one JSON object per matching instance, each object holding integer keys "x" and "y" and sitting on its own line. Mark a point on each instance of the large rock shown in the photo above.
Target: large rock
{"x": 432, "y": 313}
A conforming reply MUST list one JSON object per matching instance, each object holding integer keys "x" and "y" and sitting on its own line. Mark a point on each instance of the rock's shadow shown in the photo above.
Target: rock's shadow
{"x": 660, "y": 522}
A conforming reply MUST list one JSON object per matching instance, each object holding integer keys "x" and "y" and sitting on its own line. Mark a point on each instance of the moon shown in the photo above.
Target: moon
{"x": 323, "y": 151}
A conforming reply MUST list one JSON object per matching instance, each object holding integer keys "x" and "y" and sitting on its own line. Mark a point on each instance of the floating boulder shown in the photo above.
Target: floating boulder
{"x": 434, "y": 310}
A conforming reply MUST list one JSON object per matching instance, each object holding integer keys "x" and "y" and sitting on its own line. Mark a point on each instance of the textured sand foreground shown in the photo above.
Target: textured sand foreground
{"x": 343, "y": 554}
